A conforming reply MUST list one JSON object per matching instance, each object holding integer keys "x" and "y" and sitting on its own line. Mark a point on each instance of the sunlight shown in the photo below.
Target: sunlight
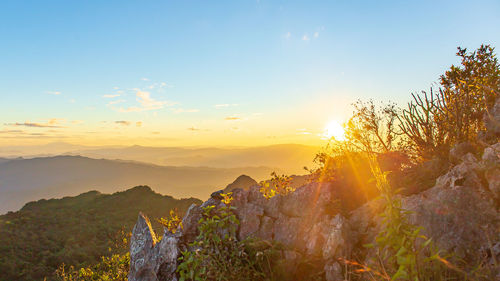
{"x": 334, "y": 130}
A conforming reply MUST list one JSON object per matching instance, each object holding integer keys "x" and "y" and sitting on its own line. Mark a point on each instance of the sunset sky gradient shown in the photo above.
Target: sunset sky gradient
{"x": 217, "y": 73}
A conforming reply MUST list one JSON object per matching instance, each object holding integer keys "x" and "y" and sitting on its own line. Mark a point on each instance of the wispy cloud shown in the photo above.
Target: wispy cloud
{"x": 33, "y": 125}
{"x": 182, "y": 110}
{"x": 193, "y": 129}
{"x": 138, "y": 124}
{"x": 305, "y": 37}
{"x": 288, "y": 35}
{"x": 146, "y": 103}
{"x": 77, "y": 122}
{"x": 53, "y": 92}
{"x": 12, "y": 132}
{"x": 232, "y": 118}
{"x": 111, "y": 96}
{"x": 316, "y": 34}
{"x": 122, "y": 122}
{"x": 144, "y": 79}
{"x": 225, "y": 105}
{"x": 115, "y": 102}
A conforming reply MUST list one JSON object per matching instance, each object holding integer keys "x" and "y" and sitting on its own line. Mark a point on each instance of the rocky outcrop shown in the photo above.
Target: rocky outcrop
{"x": 244, "y": 182}
{"x": 151, "y": 260}
{"x": 460, "y": 213}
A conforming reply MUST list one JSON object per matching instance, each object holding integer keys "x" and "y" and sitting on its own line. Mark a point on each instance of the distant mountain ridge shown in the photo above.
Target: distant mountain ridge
{"x": 290, "y": 158}
{"x": 24, "y": 180}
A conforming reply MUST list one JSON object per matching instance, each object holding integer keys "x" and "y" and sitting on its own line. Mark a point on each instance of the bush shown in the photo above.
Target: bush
{"x": 217, "y": 254}
{"x": 113, "y": 268}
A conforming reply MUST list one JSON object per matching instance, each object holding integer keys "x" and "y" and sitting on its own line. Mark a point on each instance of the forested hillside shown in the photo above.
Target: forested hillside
{"x": 77, "y": 231}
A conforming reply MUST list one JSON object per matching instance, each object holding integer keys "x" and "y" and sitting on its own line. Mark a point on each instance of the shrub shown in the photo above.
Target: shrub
{"x": 278, "y": 184}
{"x": 173, "y": 223}
{"x": 113, "y": 268}
{"x": 217, "y": 254}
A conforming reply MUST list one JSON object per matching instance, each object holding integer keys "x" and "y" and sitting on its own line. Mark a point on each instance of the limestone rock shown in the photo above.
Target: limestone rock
{"x": 190, "y": 223}
{"x": 249, "y": 216}
{"x": 333, "y": 272}
{"x": 150, "y": 260}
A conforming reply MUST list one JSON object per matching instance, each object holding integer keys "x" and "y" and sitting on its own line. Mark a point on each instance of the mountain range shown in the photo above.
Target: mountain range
{"x": 24, "y": 180}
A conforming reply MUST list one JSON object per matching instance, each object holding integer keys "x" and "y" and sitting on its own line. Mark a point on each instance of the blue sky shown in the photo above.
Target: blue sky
{"x": 218, "y": 72}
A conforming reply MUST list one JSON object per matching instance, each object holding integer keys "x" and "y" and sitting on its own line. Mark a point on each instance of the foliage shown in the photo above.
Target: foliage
{"x": 403, "y": 256}
{"x": 173, "y": 223}
{"x": 113, "y": 268}
{"x": 372, "y": 128}
{"x": 278, "y": 184}
{"x": 217, "y": 254}
{"x": 76, "y": 231}
{"x": 469, "y": 90}
{"x": 434, "y": 122}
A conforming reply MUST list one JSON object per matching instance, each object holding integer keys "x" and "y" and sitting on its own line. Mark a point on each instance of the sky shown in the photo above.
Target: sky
{"x": 218, "y": 73}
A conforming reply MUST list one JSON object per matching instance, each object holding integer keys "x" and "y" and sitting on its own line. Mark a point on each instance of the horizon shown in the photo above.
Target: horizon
{"x": 251, "y": 73}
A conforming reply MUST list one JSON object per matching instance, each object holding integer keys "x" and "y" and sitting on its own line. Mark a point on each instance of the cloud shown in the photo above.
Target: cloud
{"x": 111, "y": 96}
{"x": 55, "y": 121}
{"x": 288, "y": 35}
{"x": 232, "y": 118}
{"x": 305, "y": 37}
{"x": 225, "y": 105}
{"x": 76, "y": 122}
{"x": 12, "y": 132}
{"x": 124, "y": 123}
{"x": 138, "y": 124}
{"x": 182, "y": 110}
{"x": 33, "y": 125}
{"x": 316, "y": 34}
{"x": 115, "y": 102}
{"x": 56, "y": 93}
{"x": 145, "y": 79}
{"x": 146, "y": 103}
{"x": 155, "y": 133}
{"x": 193, "y": 129}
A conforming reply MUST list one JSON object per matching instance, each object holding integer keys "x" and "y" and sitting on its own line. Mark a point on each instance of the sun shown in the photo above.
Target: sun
{"x": 334, "y": 130}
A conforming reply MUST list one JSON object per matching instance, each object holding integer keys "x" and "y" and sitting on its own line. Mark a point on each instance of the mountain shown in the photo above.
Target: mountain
{"x": 289, "y": 158}
{"x": 77, "y": 231}
{"x": 244, "y": 182}
{"x": 23, "y": 180}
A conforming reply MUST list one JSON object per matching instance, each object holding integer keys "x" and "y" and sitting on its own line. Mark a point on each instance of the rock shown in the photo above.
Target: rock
{"x": 333, "y": 272}
{"x": 459, "y": 213}
{"x": 142, "y": 256}
{"x": 296, "y": 204}
{"x": 244, "y": 182}
{"x": 217, "y": 195}
{"x": 455, "y": 218}
{"x": 493, "y": 178}
{"x": 168, "y": 255}
{"x": 151, "y": 260}
{"x": 240, "y": 197}
{"x": 249, "y": 216}
{"x": 190, "y": 223}
{"x": 287, "y": 230}
{"x": 266, "y": 228}
{"x": 491, "y": 155}
{"x": 463, "y": 174}
{"x": 338, "y": 241}
{"x": 459, "y": 151}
